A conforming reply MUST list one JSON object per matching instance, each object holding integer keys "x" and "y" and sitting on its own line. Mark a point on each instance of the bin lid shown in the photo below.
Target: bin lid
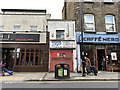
{"x": 63, "y": 63}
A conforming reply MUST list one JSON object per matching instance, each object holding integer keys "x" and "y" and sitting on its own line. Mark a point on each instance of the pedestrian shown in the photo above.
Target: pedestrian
{"x": 3, "y": 66}
{"x": 103, "y": 64}
{"x": 88, "y": 65}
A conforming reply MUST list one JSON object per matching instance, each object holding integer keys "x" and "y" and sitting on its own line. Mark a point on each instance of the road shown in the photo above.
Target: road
{"x": 62, "y": 84}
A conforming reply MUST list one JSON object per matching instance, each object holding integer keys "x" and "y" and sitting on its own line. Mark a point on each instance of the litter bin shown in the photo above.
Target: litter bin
{"x": 62, "y": 71}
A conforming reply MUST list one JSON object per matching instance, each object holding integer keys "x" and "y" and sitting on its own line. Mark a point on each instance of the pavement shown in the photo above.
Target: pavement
{"x": 45, "y": 76}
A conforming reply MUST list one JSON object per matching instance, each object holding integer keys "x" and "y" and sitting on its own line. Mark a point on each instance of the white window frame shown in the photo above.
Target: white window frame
{"x": 17, "y": 29}
{"x": 33, "y": 30}
{"x": 60, "y": 34}
{"x": 110, "y": 23}
{"x": 1, "y": 28}
{"x": 90, "y": 23}
{"x": 88, "y": 0}
{"x": 107, "y": 1}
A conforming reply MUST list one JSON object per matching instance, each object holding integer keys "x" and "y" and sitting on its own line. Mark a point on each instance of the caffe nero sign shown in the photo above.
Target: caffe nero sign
{"x": 97, "y": 38}
{"x": 7, "y": 37}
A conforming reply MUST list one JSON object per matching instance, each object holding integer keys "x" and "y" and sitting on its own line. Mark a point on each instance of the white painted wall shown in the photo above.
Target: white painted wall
{"x": 70, "y": 35}
{"x": 68, "y": 26}
{"x": 25, "y": 21}
{"x": 79, "y": 61}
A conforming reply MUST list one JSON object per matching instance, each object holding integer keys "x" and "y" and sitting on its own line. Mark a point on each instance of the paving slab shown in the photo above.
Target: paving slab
{"x": 38, "y": 76}
{"x": 21, "y": 76}
{"x": 78, "y": 76}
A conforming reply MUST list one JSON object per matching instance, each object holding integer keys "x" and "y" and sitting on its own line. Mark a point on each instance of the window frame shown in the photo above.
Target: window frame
{"x": 110, "y": 23}
{"x": 33, "y": 30}
{"x": 24, "y": 54}
{"x": 60, "y": 34}
{"x": 108, "y": 1}
{"x": 17, "y": 29}
{"x": 91, "y": 1}
{"x": 2, "y": 28}
{"x": 88, "y": 30}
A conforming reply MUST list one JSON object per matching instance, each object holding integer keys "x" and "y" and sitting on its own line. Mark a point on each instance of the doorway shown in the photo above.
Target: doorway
{"x": 100, "y": 54}
{"x": 9, "y": 54}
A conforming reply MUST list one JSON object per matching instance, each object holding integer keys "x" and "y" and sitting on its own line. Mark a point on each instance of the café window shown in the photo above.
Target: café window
{"x": 89, "y": 23}
{"x": 59, "y": 34}
{"x": 33, "y": 28}
{"x": 29, "y": 56}
{"x": 90, "y": 52}
{"x": 1, "y": 28}
{"x": 110, "y": 23}
{"x": 113, "y": 55}
{"x": 17, "y": 28}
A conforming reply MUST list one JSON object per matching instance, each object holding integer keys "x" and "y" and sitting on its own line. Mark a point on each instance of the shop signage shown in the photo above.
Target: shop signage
{"x": 114, "y": 55}
{"x": 62, "y": 44}
{"x": 19, "y": 37}
{"x": 96, "y": 38}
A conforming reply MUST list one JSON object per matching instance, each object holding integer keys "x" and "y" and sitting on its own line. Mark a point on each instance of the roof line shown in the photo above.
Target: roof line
{"x": 24, "y": 10}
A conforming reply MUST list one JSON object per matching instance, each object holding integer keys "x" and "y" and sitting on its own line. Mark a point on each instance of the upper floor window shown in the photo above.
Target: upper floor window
{"x": 110, "y": 23}
{"x": 107, "y": 0}
{"x": 1, "y": 28}
{"x": 88, "y": 0}
{"x": 89, "y": 23}
{"x": 33, "y": 28}
{"x": 17, "y": 28}
{"x": 59, "y": 34}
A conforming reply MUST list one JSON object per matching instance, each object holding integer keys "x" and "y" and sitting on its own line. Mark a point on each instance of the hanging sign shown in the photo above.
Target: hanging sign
{"x": 114, "y": 55}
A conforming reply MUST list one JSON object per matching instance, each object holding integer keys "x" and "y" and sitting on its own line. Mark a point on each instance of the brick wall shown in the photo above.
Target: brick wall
{"x": 99, "y": 9}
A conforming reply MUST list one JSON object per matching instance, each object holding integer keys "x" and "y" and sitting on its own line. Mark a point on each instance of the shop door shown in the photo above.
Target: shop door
{"x": 100, "y": 55}
{"x": 58, "y": 56}
{"x": 9, "y": 60}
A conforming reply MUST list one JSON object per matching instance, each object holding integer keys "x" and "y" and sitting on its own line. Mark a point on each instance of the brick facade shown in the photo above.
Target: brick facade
{"x": 71, "y": 10}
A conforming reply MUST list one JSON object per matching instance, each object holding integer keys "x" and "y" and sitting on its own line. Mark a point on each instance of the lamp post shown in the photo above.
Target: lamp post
{"x": 82, "y": 50}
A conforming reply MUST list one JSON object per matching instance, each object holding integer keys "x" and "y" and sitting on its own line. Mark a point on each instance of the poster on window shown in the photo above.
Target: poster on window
{"x": 114, "y": 55}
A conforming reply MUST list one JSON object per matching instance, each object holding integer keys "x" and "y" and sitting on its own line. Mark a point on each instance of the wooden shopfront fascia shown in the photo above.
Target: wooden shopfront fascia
{"x": 40, "y": 49}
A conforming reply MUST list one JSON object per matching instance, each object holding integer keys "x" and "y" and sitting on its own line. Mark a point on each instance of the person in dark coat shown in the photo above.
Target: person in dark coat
{"x": 103, "y": 63}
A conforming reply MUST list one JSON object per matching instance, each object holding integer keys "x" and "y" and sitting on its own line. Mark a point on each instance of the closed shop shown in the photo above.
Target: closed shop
{"x": 58, "y": 56}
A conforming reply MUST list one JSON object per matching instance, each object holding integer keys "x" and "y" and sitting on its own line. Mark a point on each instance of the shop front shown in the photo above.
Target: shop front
{"x": 62, "y": 52}
{"x": 25, "y": 52}
{"x": 99, "y": 47}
